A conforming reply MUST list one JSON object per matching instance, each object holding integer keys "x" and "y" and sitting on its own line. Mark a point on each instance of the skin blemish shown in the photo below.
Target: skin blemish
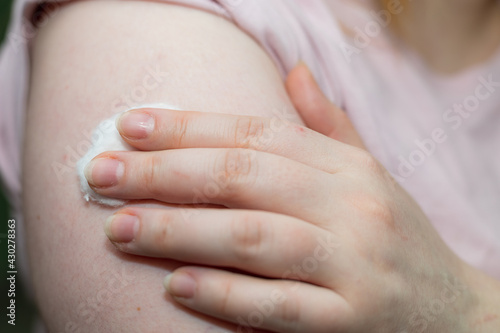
{"x": 485, "y": 319}
{"x": 300, "y": 130}
{"x": 138, "y": 308}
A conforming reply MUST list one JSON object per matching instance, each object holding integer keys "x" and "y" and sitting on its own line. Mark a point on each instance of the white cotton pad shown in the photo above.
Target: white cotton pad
{"x": 107, "y": 138}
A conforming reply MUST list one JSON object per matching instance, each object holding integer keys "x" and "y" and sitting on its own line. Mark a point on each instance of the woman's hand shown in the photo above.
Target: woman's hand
{"x": 319, "y": 238}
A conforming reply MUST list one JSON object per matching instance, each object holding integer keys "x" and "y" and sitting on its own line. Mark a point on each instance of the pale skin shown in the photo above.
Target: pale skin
{"x": 382, "y": 247}
{"x": 331, "y": 189}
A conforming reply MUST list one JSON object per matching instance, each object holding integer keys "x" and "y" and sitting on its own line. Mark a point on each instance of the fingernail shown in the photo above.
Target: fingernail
{"x": 136, "y": 125}
{"x": 180, "y": 285}
{"x": 121, "y": 228}
{"x": 104, "y": 172}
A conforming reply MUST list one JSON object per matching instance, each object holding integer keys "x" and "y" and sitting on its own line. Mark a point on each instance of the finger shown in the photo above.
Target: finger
{"x": 261, "y": 243}
{"x": 235, "y": 178}
{"x": 170, "y": 129}
{"x": 317, "y": 112}
{"x": 256, "y": 303}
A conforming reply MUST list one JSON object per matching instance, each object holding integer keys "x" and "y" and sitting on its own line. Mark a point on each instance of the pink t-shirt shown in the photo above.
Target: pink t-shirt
{"x": 439, "y": 136}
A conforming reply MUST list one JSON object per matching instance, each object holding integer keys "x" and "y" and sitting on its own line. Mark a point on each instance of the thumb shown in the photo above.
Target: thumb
{"x": 317, "y": 112}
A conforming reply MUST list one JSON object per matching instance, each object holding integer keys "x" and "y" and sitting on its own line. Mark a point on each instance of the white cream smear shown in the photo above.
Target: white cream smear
{"x": 107, "y": 138}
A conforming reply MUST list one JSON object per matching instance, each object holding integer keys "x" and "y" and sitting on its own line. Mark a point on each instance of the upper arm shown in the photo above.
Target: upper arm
{"x": 91, "y": 60}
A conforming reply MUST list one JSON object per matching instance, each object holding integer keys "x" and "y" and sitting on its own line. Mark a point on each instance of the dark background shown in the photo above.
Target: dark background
{"x": 24, "y": 310}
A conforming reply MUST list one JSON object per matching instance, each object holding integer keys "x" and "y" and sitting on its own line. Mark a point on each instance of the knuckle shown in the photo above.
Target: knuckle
{"x": 179, "y": 130}
{"x": 162, "y": 231}
{"x": 247, "y": 236}
{"x": 368, "y": 162}
{"x": 150, "y": 171}
{"x": 289, "y": 313}
{"x": 225, "y": 301}
{"x": 376, "y": 209}
{"x": 248, "y": 131}
{"x": 238, "y": 172}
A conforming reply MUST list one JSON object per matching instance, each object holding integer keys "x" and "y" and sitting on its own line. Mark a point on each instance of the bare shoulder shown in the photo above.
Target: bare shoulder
{"x": 89, "y": 61}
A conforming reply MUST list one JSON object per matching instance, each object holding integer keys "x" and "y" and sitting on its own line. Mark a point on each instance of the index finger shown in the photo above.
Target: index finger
{"x": 161, "y": 129}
